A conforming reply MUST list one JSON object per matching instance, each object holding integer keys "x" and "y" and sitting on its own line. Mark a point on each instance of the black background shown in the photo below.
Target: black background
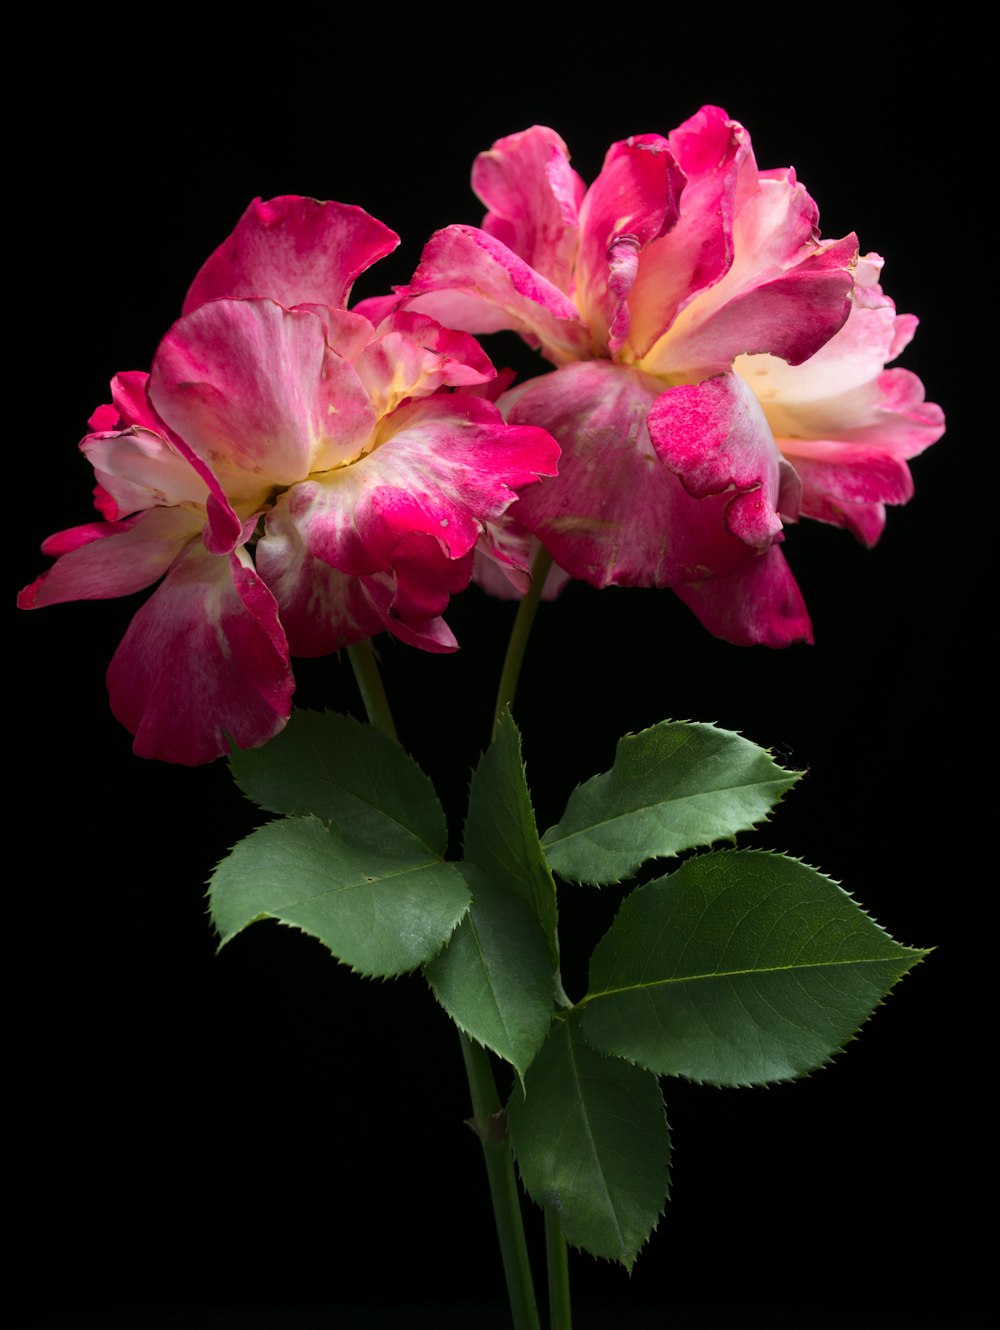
{"x": 260, "y": 1128}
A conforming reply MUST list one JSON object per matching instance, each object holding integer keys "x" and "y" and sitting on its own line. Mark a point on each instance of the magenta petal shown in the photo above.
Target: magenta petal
{"x": 128, "y": 558}
{"x": 321, "y": 608}
{"x": 715, "y": 155}
{"x": 465, "y": 362}
{"x": 294, "y": 250}
{"x": 468, "y": 280}
{"x": 716, "y": 440}
{"x": 257, "y": 393}
{"x": 140, "y": 469}
{"x": 504, "y": 557}
{"x": 447, "y": 465}
{"x": 413, "y": 356}
{"x": 786, "y": 292}
{"x": 205, "y": 658}
{"x": 635, "y": 198}
{"x": 533, "y": 196}
{"x": 377, "y": 308}
{"x": 758, "y": 605}
{"x": 615, "y": 514}
{"x": 347, "y": 331}
{"x": 849, "y": 484}
{"x": 402, "y": 521}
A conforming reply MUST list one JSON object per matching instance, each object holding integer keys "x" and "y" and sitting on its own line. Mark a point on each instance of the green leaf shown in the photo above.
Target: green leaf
{"x": 495, "y": 977}
{"x": 741, "y": 967}
{"x": 380, "y": 913}
{"x": 673, "y": 787}
{"x": 501, "y": 837}
{"x": 591, "y": 1139}
{"x": 348, "y": 774}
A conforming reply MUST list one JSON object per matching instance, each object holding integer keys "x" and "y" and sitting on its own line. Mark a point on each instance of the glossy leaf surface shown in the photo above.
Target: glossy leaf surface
{"x": 495, "y": 977}
{"x": 591, "y": 1139}
{"x": 380, "y": 913}
{"x": 673, "y": 787}
{"x": 740, "y": 968}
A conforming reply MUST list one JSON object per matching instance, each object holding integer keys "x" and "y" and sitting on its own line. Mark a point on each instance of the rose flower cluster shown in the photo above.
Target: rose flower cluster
{"x": 303, "y": 476}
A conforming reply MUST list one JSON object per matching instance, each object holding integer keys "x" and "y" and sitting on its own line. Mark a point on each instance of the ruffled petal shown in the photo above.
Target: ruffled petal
{"x": 504, "y": 557}
{"x": 533, "y": 196}
{"x": 714, "y": 437}
{"x": 321, "y": 608}
{"x": 205, "y": 658}
{"x": 846, "y": 423}
{"x": 786, "y": 292}
{"x": 257, "y": 393}
{"x": 140, "y": 469}
{"x": 294, "y": 250}
{"x": 445, "y": 466}
{"x": 632, "y": 201}
{"x": 413, "y": 356}
{"x": 616, "y": 514}
{"x": 469, "y": 280}
{"x": 103, "y": 560}
{"x": 406, "y": 517}
{"x": 759, "y": 604}
{"x": 843, "y": 392}
{"x": 716, "y": 158}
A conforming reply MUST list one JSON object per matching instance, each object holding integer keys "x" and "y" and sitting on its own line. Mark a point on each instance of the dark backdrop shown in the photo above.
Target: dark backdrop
{"x": 261, "y": 1127}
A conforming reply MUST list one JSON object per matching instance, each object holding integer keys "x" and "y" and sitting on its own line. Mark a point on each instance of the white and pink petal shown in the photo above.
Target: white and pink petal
{"x": 716, "y": 158}
{"x": 634, "y": 200}
{"x": 258, "y": 394}
{"x": 467, "y": 279}
{"x": 533, "y": 196}
{"x": 102, "y": 560}
{"x": 294, "y": 250}
{"x": 616, "y": 514}
{"x": 786, "y": 292}
{"x": 203, "y": 662}
{"x": 715, "y": 438}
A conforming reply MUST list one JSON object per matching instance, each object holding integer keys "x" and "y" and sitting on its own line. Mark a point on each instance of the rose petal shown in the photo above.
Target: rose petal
{"x": 786, "y": 292}
{"x": 413, "y": 356}
{"x": 139, "y": 469}
{"x": 615, "y": 514}
{"x": 258, "y": 394}
{"x": 716, "y": 158}
{"x": 533, "y": 196}
{"x": 634, "y": 199}
{"x": 468, "y": 280}
{"x": 294, "y": 250}
{"x": 714, "y": 437}
{"x": 130, "y": 557}
{"x": 759, "y": 604}
{"x": 205, "y": 658}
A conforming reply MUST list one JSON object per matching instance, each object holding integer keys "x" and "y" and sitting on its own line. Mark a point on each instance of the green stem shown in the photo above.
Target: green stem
{"x": 365, "y": 666}
{"x": 557, "y": 1261}
{"x": 520, "y": 633}
{"x": 486, "y": 1110}
{"x": 486, "y": 1106}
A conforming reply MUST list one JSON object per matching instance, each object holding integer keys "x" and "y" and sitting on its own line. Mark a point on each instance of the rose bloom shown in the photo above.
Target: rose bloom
{"x": 720, "y": 367}
{"x": 300, "y": 478}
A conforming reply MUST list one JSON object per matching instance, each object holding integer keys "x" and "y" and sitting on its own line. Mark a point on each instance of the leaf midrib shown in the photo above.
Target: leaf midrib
{"x": 372, "y": 882}
{"x": 737, "y": 974}
{"x": 660, "y": 803}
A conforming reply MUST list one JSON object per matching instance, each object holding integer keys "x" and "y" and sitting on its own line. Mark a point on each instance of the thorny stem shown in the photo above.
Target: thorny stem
{"x": 491, "y": 1130}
